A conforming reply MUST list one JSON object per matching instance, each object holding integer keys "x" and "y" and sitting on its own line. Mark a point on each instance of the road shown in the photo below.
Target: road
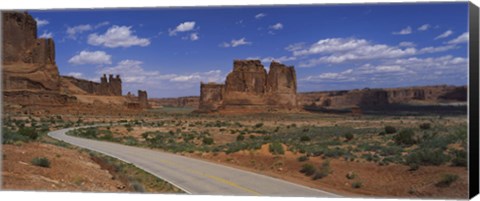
{"x": 192, "y": 175}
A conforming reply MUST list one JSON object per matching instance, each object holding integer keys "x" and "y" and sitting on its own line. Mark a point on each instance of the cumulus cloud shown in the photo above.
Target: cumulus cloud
{"x": 46, "y": 34}
{"x": 406, "y": 44}
{"x": 235, "y": 43}
{"x": 260, "y": 15}
{"x": 194, "y": 36}
{"x": 73, "y": 31}
{"x": 338, "y": 50}
{"x": 182, "y": 27}
{"x": 405, "y": 31}
{"x": 424, "y": 27}
{"x": 460, "y": 39}
{"x": 277, "y": 59}
{"x": 117, "y": 36}
{"x": 86, "y": 57}
{"x": 41, "y": 23}
{"x": 395, "y": 71}
{"x": 276, "y": 26}
{"x": 444, "y": 34}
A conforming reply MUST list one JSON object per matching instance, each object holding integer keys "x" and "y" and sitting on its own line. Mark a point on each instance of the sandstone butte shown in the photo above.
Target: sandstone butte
{"x": 250, "y": 88}
{"x": 31, "y": 80}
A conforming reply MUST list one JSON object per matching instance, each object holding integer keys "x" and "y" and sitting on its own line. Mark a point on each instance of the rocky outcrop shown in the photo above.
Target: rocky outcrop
{"x": 249, "y": 86}
{"x": 143, "y": 99}
{"x": 110, "y": 87}
{"x": 28, "y": 63}
{"x": 186, "y": 101}
{"x": 377, "y": 97}
{"x": 211, "y": 96}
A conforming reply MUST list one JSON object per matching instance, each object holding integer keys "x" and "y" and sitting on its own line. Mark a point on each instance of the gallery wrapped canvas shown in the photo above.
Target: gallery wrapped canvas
{"x": 353, "y": 100}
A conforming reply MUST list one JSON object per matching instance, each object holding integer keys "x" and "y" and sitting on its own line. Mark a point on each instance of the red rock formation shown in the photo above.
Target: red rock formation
{"x": 28, "y": 63}
{"x": 211, "y": 96}
{"x": 143, "y": 99}
{"x": 249, "y": 86}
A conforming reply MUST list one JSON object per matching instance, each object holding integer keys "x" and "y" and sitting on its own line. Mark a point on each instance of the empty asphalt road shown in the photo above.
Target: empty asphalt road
{"x": 192, "y": 175}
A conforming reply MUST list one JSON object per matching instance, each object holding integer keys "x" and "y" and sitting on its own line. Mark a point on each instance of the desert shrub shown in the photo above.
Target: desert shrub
{"x": 130, "y": 140}
{"x": 348, "y": 136}
{"x": 405, "y": 137}
{"x": 276, "y": 148}
{"x": 240, "y": 138}
{"x": 390, "y": 129}
{"x": 425, "y": 126}
{"x": 258, "y": 125}
{"x": 357, "y": 184}
{"x": 460, "y": 158}
{"x": 427, "y": 157}
{"x": 323, "y": 171}
{"x": 10, "y": 137}
{"x": 41, "y": 162}
{"x": 304, "y": 138}
{"x": 302, "y": 158}
{"x": 447, "y": 180}
{"x": 207, "y": 141}
{"x": 29, "y": 132}
{"x": 334, "y": 153}
{"x": 413, "y": 166}
{"x": 308, "y": 169}
{"x": 137, "y": 186}
{"x": 351, "y": 175}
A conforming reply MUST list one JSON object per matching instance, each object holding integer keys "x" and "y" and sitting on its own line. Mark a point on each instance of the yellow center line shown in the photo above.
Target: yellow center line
{"x": 216, "y": 178}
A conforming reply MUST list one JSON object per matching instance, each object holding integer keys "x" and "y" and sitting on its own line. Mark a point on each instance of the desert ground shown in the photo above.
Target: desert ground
{"x": 369, "y": 155}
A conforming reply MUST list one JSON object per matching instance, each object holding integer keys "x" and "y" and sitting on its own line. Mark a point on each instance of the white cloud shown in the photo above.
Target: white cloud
{"x": 182, "y": 27}
{"x": 86, "y": 57}
{"x": 194, "y": 36}
{"x": 295, "y": 47}
{"x": 460, "y": 39}
{"x": 395, "y": 71}
{"x": 276, "y": 26}
{"x": 436, "y": 49}
{"x": 197, "y": 77}
{"x": 405, "y": 31}
{"x": 117, "y": 36}
{"x": 260, "y": 15}
{"x": 101, "y": 24}
{"x": 46, "y": 34}
{"x": 424, "y": 27}
{"x": 339, "y": 50}
{"x": 235, "y": 43}
{"x": 278, "y": 59}
{"x": 444, "y": 34}
{"x": 73, "y": 31}
{"x": 41, "y": 22}
{"x": 76, "y": 74}
{"x": 406, "y": 44}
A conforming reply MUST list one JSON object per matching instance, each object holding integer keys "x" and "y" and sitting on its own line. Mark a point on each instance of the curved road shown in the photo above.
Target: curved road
{"x": 192, "y": 175}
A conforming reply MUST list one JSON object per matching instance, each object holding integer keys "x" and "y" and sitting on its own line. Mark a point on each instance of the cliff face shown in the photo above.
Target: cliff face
{"x": 378, "y": 97}
{"x": 143, "y": 99}
{"x": 110, "y": 87}
{"x": 249, "y": 86}
{"x": 28, "y": 62}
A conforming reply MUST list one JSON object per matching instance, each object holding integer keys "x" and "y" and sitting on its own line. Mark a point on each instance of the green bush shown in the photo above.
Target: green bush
{"x": 240, "y": 138}
{"x": 29, "y": 132}
{"x": 323, "y": 171}
{"x": 390, "y": 129}
{"x": 348, "y": 136}
{"x": 276, "y": 148}
{"x": 207, "y": 141}
{"x": 302, "y": 158}
{"x": 258, "y": 125}
{"x": 405, "y": 137}
{"x": 10, "y": 137}
{"x": 425, "y": 126}
{"x": 447, "y": 180}
{"x": 308, "y": 169}
{"x": 460, "y": 158}
{"x": 427, "y": 157}
{"x": 304, "y": 138}
{"x": 41, "y": 162}
{"x": 357, "y": 184}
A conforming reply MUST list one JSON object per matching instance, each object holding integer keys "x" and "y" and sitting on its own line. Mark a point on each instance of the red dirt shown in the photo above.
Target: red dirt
{"x": 70, "y": 170}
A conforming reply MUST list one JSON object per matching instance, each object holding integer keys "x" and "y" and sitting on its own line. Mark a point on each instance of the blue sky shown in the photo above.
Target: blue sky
{"x": 169, "y": 51}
